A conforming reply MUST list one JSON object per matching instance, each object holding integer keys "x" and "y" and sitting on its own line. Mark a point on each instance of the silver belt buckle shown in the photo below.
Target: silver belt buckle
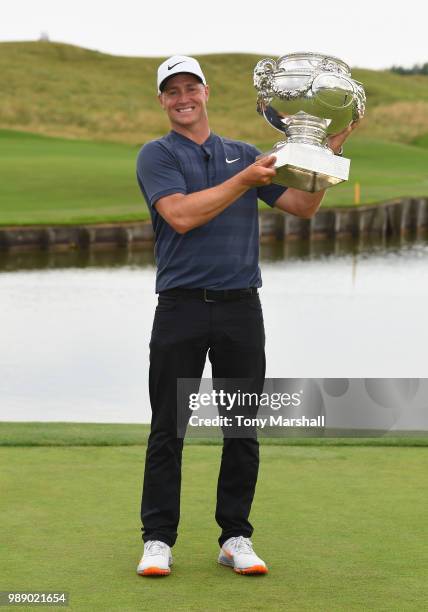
{"x": 205, "y": 297}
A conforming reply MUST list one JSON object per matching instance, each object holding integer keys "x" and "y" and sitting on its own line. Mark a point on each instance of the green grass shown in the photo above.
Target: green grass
{"x": 58, "y": 181}
{"x": 385, "y": 171}
{"x": 341, "y": 529}
{"x": 52, "y": 180}
{"x": 115, "y": 434}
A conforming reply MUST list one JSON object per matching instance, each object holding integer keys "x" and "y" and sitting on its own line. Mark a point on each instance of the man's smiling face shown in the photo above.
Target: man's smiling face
{"x": 184, "y": 98}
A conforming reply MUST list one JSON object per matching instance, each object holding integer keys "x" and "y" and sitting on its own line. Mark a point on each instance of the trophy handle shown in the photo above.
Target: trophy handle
{"x": 264, "y": 82}
{"x": 360, "y": 97}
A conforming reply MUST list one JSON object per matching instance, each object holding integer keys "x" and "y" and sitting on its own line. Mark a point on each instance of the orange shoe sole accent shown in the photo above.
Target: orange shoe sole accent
{"x": 154, "y": 571}
{"x": 252, "y": 571}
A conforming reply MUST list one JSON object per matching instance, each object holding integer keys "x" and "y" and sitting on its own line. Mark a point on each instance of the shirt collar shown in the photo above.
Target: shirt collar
{"x": 182, "y": 138}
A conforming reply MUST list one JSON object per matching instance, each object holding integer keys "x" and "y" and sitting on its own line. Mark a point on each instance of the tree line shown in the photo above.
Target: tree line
{"x": 416, "y": 69}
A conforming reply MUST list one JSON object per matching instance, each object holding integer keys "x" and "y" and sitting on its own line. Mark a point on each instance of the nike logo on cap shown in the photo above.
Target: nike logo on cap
{"x": 230, "y": 161}
{"x": 173, "y": 66}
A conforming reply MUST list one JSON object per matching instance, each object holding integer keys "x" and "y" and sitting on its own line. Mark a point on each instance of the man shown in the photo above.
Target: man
{"x": 202, "y": 193}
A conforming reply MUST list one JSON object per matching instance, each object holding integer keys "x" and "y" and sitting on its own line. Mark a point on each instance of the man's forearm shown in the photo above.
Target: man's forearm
{"x": 198, "y": 208}
{"x": 185, "y": 212}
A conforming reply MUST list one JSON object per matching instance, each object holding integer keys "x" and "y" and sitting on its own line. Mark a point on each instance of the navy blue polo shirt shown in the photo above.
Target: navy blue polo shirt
{"x": 223, "y": 253}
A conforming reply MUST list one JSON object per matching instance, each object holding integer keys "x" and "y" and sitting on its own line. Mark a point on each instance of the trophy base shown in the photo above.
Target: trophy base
{"x": 308, "y": 167}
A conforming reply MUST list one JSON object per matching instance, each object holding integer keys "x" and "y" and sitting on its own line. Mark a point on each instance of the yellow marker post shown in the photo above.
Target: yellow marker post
{"x": 357, "y": 193}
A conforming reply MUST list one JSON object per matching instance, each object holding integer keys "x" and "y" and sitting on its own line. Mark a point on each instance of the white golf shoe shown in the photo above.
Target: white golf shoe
{"x": 238, "y": 553}
{"x": 156, "y": 560}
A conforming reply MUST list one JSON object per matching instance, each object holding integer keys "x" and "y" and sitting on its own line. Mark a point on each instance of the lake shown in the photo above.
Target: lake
{"x": 75, "y": 326}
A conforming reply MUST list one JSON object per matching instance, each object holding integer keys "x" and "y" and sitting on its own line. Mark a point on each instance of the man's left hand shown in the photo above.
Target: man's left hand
{"x": 336, "y": 141}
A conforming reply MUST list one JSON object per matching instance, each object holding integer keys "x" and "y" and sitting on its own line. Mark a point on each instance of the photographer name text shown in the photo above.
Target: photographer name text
{"x": 239, "y": 420}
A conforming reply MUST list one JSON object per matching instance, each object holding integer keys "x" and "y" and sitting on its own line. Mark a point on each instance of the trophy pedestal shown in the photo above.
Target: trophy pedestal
{"x": 308, "y": 167}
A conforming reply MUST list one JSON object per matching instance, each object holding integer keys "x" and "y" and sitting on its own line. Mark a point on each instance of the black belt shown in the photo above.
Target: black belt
{"x": 212, "y": 295}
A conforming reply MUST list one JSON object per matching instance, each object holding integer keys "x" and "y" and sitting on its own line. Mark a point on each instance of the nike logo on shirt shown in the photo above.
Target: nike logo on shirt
{"x": 230, "y": 161}
{"x": 173, "y": 66}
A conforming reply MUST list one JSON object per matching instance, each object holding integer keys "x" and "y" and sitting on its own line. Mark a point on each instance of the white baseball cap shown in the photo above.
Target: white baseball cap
{"x": 177, "y": 64}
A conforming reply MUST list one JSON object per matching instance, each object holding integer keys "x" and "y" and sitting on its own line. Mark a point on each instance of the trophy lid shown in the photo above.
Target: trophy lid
{"x": 306, "y": 62}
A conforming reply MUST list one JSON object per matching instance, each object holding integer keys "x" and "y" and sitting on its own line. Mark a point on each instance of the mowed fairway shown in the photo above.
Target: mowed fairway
{"x": 342, "y": 528}
{"x": 58, "y": 181}
{"x": 52, "y": 180}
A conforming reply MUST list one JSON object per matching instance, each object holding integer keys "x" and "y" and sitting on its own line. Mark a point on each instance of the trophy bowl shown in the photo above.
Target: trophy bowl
{"x": 308, "y": 97}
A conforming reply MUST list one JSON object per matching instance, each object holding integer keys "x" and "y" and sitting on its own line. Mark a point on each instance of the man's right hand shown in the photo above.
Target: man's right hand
{"x": 260, "y": 173}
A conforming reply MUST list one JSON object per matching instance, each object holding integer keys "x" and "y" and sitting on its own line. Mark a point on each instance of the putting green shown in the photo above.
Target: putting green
{"x": 341, "y": 529}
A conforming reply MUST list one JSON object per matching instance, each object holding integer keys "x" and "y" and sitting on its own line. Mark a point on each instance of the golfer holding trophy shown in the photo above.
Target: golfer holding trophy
{"x": 202, "y": 192}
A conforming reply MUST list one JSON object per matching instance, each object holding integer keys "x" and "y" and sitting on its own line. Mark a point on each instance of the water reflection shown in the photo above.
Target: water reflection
{"x": 362, "y": 246}
{"x": 11, "y": 261}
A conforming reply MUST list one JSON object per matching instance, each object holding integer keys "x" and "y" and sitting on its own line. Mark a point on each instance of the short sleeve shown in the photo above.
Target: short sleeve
{"x": 158, "y": 173}
{"x": 269, "y": 193}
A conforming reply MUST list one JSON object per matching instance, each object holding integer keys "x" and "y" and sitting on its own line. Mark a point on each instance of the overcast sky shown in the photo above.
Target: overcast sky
{"x": 372, "y": 34}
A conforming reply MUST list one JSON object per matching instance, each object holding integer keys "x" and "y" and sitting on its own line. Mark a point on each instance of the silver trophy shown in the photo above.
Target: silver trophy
{"x": 308, "y": 97}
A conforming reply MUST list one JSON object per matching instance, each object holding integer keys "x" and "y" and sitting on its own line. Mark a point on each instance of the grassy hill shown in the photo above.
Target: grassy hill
{"x": 62, "y": 90}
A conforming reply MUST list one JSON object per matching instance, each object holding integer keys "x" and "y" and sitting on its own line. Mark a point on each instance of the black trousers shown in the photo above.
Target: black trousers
{"x": 184, "y": 329}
